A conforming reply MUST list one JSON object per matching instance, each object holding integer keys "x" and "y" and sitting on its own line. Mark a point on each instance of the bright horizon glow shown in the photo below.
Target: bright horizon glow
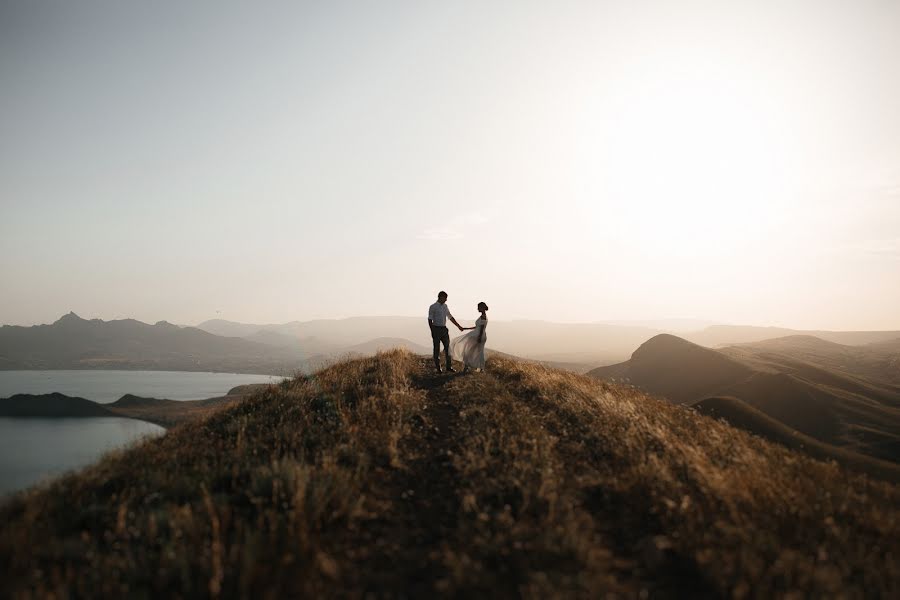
{"x": 583, "y": 162}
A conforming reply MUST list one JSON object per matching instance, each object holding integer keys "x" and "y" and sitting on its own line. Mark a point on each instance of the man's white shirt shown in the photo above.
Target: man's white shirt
{"x": 438, "y": 314}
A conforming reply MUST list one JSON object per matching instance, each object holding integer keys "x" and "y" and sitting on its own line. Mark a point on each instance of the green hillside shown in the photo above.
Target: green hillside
{"x": 376, "y": 476}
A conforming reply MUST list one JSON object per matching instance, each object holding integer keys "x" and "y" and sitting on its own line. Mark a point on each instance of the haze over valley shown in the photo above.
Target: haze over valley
{"x": 72, "y": 342}
{"x": 837, "y": 388}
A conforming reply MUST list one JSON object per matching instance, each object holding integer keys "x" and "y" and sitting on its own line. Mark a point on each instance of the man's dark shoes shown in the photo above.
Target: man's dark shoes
{"x": 451, "y": 370}
{"x": 439, "y": 370}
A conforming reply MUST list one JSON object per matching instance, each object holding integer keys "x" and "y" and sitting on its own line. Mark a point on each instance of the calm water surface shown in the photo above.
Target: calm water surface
{"x": 36, "y": 449}
{"x": 109, "y": 386}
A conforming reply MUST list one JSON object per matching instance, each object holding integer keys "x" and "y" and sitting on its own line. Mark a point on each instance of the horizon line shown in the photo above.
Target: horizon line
{"x": 636, "y": 323}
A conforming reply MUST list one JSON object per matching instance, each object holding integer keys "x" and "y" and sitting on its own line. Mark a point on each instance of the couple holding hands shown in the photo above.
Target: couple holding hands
{"x": 468, "y": 348}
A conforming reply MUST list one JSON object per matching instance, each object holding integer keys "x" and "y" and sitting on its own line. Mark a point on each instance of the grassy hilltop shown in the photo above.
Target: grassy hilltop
{"x": 376, "y": 476}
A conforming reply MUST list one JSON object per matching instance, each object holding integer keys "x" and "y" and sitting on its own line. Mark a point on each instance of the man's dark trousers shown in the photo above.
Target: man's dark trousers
{"x": 439, "y": 335}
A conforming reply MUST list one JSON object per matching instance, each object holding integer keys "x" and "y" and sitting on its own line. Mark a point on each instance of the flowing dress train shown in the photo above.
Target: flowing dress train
{"x": 466, "y": 347}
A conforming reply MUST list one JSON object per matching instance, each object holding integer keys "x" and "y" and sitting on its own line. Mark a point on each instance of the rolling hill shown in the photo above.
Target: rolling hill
{"x": 724, "y": 335}
{"x": 873, "y": 362}
{"x": 683, "y": 372}
{"x": 166, "y": 413}
{"x": 377, "y": 477}
{"x": 743, "y": 416}
{"x": 51, "y": 405}
{"x": 891, "y": 346}
{"x": 830, "y": 405}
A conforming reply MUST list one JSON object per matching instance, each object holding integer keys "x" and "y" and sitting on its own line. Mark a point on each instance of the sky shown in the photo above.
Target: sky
{"x": 565, "y": 161}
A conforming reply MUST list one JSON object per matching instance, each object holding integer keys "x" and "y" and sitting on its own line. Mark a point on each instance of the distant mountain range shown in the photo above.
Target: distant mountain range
{"x": 581, "y": 343}
{"x": 75, "y": 343}
{"x": 282, "y": 349}
{"x": 841, "y": 395}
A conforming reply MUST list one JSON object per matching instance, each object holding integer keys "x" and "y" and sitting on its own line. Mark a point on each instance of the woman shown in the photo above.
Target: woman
{"x": 469, "y": 348}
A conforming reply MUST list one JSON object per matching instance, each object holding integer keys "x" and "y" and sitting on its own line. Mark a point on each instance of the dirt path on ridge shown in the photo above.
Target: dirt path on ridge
{"x": 423, "y": 494}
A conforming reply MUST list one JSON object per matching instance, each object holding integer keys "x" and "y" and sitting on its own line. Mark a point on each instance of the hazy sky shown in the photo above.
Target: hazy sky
{"x": 567, "y": 161}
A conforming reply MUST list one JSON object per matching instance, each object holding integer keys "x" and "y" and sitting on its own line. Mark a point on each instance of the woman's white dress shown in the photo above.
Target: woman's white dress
{"x": 466, "y": 347}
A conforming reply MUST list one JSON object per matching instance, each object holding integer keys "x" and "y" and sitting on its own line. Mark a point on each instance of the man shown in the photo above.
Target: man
{"x": 438, "y": 313}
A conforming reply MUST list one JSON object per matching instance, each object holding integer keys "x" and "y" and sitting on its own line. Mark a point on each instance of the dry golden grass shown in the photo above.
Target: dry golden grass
{"x": 373, "y": 476}
{"x": 242, "y": 501}
{"x": 699, "y": 507}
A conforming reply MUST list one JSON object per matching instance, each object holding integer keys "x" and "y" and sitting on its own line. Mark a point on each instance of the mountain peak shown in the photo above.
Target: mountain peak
{"x": 70, "y": 317}
{"x": 664, "y": 343}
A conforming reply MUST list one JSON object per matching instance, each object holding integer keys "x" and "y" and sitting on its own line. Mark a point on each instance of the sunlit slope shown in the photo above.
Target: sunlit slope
{"x": 874, "y": 365}
{"x": 377, "y": 476}
{"x": 743, "y": 416}
{"x": 826, "y": 403}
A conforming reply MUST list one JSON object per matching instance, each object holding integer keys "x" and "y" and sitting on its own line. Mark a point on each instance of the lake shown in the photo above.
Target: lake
{"x": 34, "y": 449}
{"x": 108, "y": 386}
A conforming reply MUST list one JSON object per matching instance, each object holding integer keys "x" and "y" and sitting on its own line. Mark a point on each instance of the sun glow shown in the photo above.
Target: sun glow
{"x": 732, "y": 161}
{"x": 692, "y": 160}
